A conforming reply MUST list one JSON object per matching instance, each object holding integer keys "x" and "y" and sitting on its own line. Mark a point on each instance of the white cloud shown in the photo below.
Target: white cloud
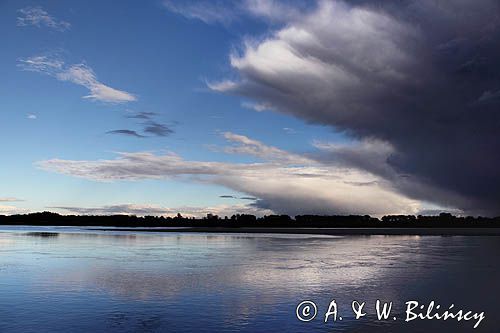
{"x": 247, "y": 146}
{"x": 9, "y": 199}
{"x": 42, "y": 64}
{"x": 156, "y": 210}
{"x": 226, "y": 12}
{"x": 225, "y": 85}
{"x": 284, "y": 182}
{"x": 8, "y": 209}
{"x": 206, "y": 11}
{"x": 36, "y": 16}
{"x": 325, "y": 52}
{"x": 11, "y": 210}
{"x": 79, "y": 74}
{"x": 31, "y": 116}
{"x": 259, "y": 107}
{"x": 274, "y": 10}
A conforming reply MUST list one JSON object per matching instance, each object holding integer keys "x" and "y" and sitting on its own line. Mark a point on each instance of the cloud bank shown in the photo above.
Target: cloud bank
{"x": 421, "y": 77}
{"x": 8, "y": 209}
{"x": 155, "y": 210}
{"x": 281, "y": 182}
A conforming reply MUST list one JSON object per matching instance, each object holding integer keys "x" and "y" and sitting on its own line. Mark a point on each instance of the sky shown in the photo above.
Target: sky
{"x": 252, "y": 106}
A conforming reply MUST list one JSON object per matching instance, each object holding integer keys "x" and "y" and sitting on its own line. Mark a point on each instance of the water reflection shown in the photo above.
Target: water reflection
{"x": 96, "y": 281}
{"x": 41, "y": 234}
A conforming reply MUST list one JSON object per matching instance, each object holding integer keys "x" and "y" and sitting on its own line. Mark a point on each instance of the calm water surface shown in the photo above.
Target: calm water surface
{"x": 74, "y": 280}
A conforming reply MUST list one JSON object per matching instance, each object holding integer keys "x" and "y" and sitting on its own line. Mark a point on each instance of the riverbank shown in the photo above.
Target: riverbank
{"x": 328, "y": 231}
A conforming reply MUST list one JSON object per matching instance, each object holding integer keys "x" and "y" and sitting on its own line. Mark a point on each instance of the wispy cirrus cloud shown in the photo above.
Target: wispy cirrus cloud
{"x": 259, "y": 107}
{"x": 226, "y": 12}
{"x": 283, "y": 182}
{"x": 79, "y": 74}
{"x": 276, "y": 10}
{"x": 289, "y": 130}
{"x": 207, "y": 11}
{"x": 38, "y": 17}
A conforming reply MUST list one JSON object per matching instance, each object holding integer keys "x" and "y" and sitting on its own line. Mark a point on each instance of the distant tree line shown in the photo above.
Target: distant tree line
{"x": 444, "y": 220}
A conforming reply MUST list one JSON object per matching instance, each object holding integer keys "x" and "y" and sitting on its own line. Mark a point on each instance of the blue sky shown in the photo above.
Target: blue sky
{"x": 164, "y": 106}
{"x": 162, "y": 58}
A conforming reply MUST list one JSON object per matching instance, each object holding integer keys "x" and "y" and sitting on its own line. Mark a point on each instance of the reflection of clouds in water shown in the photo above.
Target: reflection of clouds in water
{"x": 138, "y": 285}
{"x": 166, "y": 267}
{"x": 345, "y": 262}
{"x": 42, "y": 234}
{"x": 159, "y": 281}
{"x": 6, "y": 242}
{"x": 152, "y": 267}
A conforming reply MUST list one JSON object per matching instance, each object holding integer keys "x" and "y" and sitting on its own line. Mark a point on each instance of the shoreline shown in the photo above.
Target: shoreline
{"x": 325, "y": 231}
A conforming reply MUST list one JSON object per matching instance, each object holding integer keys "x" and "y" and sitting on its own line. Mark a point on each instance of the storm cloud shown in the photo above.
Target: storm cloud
{"x": 126, "y": 132}
{"x": 420, "y": 80}
{"x": 157, "y": 129}
{"x": 150, "y": 127}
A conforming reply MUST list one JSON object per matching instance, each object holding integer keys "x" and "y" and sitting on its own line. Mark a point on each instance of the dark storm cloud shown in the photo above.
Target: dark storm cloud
{"x": 241, "y": 198}
{"x": 150, "y": 127}
{"x": 142, "y": 115}
{"x": 422, "y": 77}
{"x": 157, "y": 129}
{"x": 248, "y": 198}
{"x": 126, "y": 132}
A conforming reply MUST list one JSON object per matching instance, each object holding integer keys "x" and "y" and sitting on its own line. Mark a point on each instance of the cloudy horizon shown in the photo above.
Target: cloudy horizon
{"x": 257, "y": 106}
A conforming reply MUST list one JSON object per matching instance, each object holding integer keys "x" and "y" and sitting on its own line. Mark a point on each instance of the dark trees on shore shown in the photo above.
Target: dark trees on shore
{"x": 443, "y": 220}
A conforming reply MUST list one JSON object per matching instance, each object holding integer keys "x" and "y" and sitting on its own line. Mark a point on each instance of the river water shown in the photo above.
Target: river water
{"x": 64, "y": 279}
